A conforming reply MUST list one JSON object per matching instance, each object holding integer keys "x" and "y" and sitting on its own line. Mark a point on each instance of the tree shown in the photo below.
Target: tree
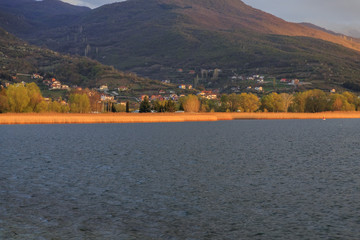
{"x": 79, "y": 103}
{"x": 248, "y": 102}
{"x": 230, "y": 102}
{"x": 316, "y": 101}
{"x": 191, "y": 104}
{"x": 339, "y": 102}
{"x": 145, "y": 105}
{"x": 287, "y": 100}
{"x": 170, "y": 106}
{"x": 18, "y": 98}
{"x": 42, "y": 107}
{"x": 272, "y": 103}
{"x": 4, "y": 103}
{"x": 35, "y": 96}
{"x": 127, "y": 106}
{"x": 54, "y": 106}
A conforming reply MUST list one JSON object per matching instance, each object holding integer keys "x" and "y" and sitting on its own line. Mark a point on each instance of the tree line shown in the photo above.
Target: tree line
{"x": 310, "y": 101}
{"x": 27, "y": 98}
{"x": 22, "y": 98}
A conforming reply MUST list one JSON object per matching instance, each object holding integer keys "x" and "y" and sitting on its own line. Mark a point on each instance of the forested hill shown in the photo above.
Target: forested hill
{"x": 18, "y": 57}
{"x": 156, "y": 37}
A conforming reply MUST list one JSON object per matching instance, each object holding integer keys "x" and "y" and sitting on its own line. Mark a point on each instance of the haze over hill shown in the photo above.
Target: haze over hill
{"x": 156, "y": 37}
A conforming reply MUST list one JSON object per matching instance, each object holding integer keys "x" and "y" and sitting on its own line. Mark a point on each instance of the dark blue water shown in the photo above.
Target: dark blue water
{"x": 289, "y": 179}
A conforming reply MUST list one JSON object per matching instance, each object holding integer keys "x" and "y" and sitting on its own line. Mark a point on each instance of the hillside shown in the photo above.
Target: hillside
{"x": 155, "y": 37}
{"x": 17, "y": 58}
{"x": 27, "y": 17}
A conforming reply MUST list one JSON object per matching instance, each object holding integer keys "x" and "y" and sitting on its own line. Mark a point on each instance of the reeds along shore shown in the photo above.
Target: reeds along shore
{"x": 48, "y": 118}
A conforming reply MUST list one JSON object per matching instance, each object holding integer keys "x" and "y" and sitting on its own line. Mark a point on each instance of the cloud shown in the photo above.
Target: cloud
{"x": 336, "y": 15}
{"x": 91, "y": 3}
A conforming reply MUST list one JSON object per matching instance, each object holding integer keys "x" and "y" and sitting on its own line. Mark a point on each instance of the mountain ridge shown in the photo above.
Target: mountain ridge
{"x": 155, "y": 37}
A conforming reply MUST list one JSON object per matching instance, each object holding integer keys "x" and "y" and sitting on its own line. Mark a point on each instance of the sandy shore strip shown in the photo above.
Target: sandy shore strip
{"x": 50, "y": 118}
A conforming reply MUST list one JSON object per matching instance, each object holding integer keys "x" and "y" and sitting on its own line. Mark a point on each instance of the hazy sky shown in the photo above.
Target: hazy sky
{"x": 337, "y": 15}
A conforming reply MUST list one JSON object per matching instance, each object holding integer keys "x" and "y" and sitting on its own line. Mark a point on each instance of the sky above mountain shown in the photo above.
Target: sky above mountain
{"x": 335, "y": 15}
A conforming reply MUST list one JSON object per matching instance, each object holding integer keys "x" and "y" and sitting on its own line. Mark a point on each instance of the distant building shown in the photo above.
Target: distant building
{"x": 55, "y": 85}
{"x": 103, "y": 88}
{"x": 123, "y": 88}
{"x": 182, "y": 86}
{"x": 66, "y": 87}
{"x": 106, "y": 98}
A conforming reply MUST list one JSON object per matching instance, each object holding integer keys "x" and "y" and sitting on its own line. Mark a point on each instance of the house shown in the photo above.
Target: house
{"x": 294, "y": 82}
{"x": 123, "y": 88}
{"x": 105, "y": 97}
{"x": 156, "y": 97}
{"x": 249, "y": 88}
{"x": 36, "y": 76}
{"x": 165, "y": 81}
{"x": 189, "y": 86}
{"x": 66, "y": 87}
{"x": 103, "y": 88}
{"x": 333, "y": 90}
{"x": 182, "y": 86}
{"x": 259, "y": 89}
{"x": 192, "y": 72}
{"x": 47, "y": 82}
{"x": 174, "y": 97}
{"x": 162, "y": 92}
{"x": 55, "y": 85}
{"x": 180, "y": 70}
{"x": 283, "y": 80}
{"x": 211, "y": 96}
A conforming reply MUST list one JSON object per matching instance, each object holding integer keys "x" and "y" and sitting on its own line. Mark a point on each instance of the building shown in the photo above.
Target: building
{"x": 103, "y": 88}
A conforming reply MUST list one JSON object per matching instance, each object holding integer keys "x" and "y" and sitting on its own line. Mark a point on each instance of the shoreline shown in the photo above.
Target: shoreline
{"x": 71, "y": 118}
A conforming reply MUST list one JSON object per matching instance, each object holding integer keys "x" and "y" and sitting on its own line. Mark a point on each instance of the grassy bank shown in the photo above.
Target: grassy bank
{"x": 48, "y": 118}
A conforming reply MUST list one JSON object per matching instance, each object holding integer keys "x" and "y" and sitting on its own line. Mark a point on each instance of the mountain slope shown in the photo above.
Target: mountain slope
{"x": 24, "y": 17}
{"x": 155, "y": 37}
{"x": 18, "y": 57}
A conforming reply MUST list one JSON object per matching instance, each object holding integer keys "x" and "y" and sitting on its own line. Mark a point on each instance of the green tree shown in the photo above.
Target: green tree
{"x": 145, "y": 105}
{"x": 352, "y": 99}
{"x": 18, "y": 98}
{"x": 35, "y": 96}
{"x": 42, "y": 107}
{"x": 230, "y": 103}
{"x": 272, "y": 102}
{"x": 170, "y": 106}
{"x": 4, "y": 103}
{"x": 316, "y": 101}
{"x": 79, "y": 103}
{"x": 54, "y": 106}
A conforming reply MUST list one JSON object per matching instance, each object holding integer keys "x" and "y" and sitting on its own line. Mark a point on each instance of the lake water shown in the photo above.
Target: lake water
{"x": 287, "y": 179}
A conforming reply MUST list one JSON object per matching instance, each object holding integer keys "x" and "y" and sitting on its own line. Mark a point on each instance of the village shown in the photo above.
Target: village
{"x": 123, "y": 98}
